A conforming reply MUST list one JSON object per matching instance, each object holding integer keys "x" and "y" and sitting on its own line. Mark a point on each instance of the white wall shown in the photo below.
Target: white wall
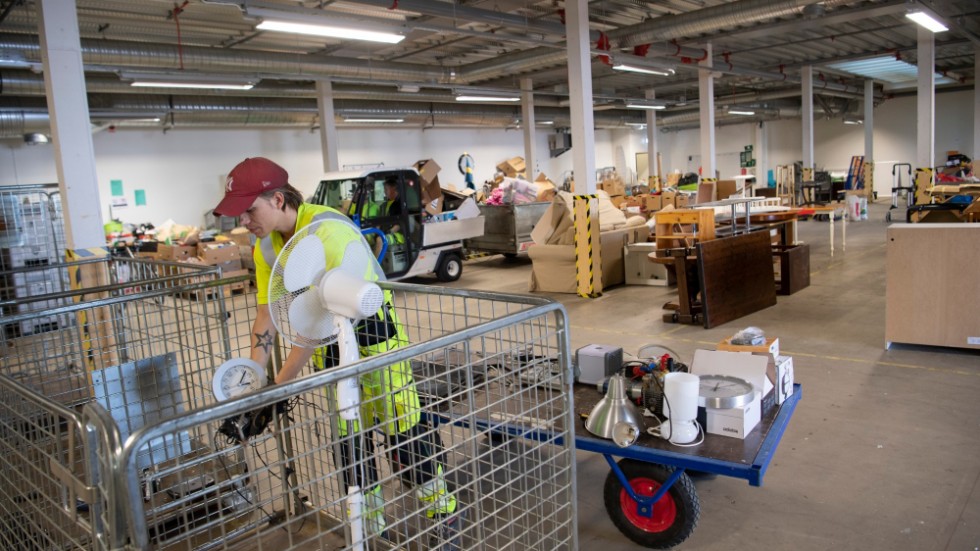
{"x": 834, "y": 142}
{"x": 182, "y": 171}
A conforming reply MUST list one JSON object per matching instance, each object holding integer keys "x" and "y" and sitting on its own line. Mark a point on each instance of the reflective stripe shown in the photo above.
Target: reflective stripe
{"x": 269, "y": 252}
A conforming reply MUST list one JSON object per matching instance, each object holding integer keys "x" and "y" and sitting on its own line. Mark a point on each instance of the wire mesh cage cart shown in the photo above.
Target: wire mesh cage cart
{"x": 32, "y": 236}
{"x": 115, "y": 341}
{"x": 472, "y": 449}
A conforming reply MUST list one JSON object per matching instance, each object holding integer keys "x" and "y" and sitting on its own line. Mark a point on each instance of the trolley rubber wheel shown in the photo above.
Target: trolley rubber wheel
{"x": 674, "y": 517}
{"x": 451, "y": 268}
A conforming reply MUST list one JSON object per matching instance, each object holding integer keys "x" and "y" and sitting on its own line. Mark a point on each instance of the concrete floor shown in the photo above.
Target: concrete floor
{"x": 884, "y": 449}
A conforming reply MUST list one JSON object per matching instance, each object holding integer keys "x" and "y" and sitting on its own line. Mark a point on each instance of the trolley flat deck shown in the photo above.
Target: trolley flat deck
{"x": 723, "y": 455}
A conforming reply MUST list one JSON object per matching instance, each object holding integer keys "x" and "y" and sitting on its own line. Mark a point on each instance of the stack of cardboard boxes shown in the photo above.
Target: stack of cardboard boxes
{"x": 612, "y": 184}
{"x": 646, "y": 205}
{"x": 227, "y": 256}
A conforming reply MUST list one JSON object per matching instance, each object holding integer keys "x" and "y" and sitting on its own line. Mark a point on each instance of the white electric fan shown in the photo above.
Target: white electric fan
{"x": 315, "y": 297}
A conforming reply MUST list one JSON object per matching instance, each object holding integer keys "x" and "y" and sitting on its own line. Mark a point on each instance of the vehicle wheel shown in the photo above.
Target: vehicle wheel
{"x": 451, "y": 268}
{"x": 674, "y": 517}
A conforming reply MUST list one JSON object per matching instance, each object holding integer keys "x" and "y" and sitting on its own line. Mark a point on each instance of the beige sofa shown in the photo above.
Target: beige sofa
{"x": 553, "y": 262}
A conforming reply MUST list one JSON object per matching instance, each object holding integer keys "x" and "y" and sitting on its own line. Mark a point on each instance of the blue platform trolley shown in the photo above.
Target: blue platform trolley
{"x": 649, "y": 493}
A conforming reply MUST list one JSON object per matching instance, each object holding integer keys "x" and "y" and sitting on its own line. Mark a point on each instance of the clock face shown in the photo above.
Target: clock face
{"x": 722, "y": 391}
{"x": 236, "y": 377}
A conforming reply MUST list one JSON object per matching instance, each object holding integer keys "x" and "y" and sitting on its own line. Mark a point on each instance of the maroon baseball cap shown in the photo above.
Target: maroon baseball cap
{"x": 249, "y": 179}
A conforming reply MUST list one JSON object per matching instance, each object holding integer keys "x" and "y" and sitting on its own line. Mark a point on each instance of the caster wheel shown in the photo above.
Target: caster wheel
{"x": 674, "y": 517}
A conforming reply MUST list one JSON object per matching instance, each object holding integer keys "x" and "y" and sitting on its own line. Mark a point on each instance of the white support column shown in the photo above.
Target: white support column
{"x": 869, "y": 120}
{"x": 761, "y": 154}
{"x": 806, "y": 74}
{"x": 706, "y": 100}
{"x": 580, "y": 94}
{"x": 527, "y": 115}
{"x": 652, "y": 148}
{"x": 976, "y": 109}
{"x": 328, "y": 127}
{"x": 869, "y": 129}
{"x": 64, "y": 84}
{"x": 925, "y": 141}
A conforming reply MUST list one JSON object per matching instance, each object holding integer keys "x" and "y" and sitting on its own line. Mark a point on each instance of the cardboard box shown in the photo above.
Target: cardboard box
{"x": 612, "y": 186}
{"x": 217, "y": 253}
{"x": 428, "y": 170}
{"x": 667, "y": 198}
{"x": 736, "y": 422}
{"x": 771, "y": 347}
{"x": 652, "y": 203}
{"x": 513, "y": 167}
{"x": 725, "y": 189}
{"x": 176, "y": 253}
{"x": 240, "y": 236}
{"x": 546, "y": 190}
{"x": 784, "y": 378}
{"x": 681, "y": 200}
{"x": 617, "y": 200}
{"x": 433, "y": 207}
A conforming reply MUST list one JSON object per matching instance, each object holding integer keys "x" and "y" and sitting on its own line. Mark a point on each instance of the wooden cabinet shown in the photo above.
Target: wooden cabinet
{"x": 932, "y": 290}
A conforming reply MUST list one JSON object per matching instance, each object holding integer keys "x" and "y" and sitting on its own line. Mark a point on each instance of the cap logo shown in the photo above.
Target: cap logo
{"x": 266, "y": 183}
{"x": 228, "y": 184}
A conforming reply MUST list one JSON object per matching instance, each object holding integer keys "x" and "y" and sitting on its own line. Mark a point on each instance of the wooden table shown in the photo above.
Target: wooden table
{"x": 831, "y": 210}
{"x": 784, "y": 221}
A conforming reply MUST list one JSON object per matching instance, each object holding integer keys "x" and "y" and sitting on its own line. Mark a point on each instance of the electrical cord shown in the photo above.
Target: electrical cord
{"x": 655, "y": 431}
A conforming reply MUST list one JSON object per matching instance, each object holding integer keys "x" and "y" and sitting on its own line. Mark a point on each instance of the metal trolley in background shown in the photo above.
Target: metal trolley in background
{"x": 112, "y": 438}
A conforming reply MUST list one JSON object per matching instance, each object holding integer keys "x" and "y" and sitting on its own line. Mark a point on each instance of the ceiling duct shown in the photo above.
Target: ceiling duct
{"x": 115, "y": 53}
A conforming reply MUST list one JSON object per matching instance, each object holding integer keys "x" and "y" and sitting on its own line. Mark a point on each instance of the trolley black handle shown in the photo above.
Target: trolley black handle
{"x": 896, "y": 165}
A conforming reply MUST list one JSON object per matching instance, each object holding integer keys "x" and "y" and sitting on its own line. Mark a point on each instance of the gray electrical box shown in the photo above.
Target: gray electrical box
{"x": 596, "y": 362}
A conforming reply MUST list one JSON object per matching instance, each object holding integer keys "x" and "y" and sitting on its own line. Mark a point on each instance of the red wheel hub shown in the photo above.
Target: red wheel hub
{"x": 664, "y": 511}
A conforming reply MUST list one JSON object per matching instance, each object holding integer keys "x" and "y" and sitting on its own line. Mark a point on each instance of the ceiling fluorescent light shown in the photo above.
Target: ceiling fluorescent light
{"x": 328, "y": 31}
{"x": 645, "y": 106}
{"x": 202, "y": 84}
{"x": 745, "y": 112}
{"x": 636, "y": 124}
{"x": 853, "y": 121}
{"x": 374, "y": 120}
{"x": 644, "y": 70}
{"x": 188, "y": 80}
{"x": 473, "y": 97}
{"x": 546, "y": 122}
{"x": 927, "y": 21}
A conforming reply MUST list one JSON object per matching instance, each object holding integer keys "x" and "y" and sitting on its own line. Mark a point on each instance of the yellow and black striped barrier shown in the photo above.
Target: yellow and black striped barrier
{"x": 588, "y": 263}
{"x": 925, "y": 180}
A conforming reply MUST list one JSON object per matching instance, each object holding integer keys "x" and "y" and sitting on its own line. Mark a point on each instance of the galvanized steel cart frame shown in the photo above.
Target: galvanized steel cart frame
{"x": 170, "y": 480}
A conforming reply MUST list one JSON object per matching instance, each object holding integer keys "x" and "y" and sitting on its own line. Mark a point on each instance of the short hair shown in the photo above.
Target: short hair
{"x": 391, "y": 181}
{"x": 291, "y": 196}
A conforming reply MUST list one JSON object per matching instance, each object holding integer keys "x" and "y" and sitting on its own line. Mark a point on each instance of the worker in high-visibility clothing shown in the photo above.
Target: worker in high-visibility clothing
{"x": 258, "y": 191}
{"x": 393, "y": 208}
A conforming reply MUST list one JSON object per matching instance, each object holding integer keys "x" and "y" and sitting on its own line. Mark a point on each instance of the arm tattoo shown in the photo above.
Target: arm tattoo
{"x": 263, "y": 340}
